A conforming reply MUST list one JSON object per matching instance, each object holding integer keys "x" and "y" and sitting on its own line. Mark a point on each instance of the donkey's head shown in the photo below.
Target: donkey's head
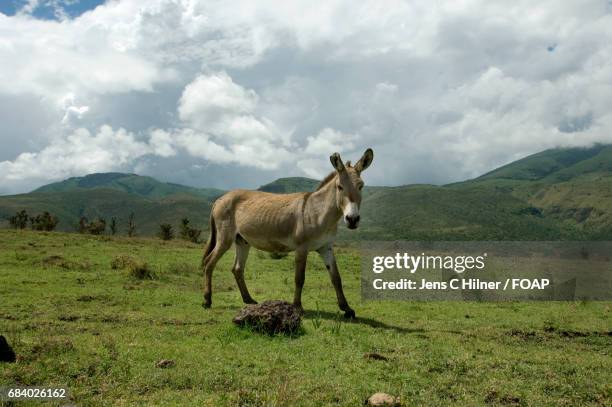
{"x": 349, "y": 185}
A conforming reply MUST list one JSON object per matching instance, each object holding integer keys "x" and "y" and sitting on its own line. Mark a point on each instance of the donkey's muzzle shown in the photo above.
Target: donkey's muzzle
{"x": 352, "y": 221}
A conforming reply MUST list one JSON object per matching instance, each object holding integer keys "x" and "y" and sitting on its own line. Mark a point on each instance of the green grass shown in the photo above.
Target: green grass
{"x": 75, "y": 321}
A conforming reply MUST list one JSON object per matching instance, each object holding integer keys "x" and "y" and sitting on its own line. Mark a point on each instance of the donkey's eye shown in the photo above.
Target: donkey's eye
{"x": 360, "y": 187}
{"x": 340, "y": 187}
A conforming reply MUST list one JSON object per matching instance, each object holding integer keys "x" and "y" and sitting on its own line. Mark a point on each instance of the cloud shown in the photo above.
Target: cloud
{"x": 73, "y": 112}
{"x": 162, "y": 144}
{"x": 210, "y": 98}
{"x": 221, "y": 126}
{"x": 79, "y": 152}
{"x": 442, "y": 92}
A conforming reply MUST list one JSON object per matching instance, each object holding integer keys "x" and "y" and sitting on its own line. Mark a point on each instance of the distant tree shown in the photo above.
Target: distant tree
{"x": 44, "y": 221}
{"x": 189, "y": 233}
{"x": 83, "y": 224}
{"x": 166, "y": 232}
{"x": 113, "y": 226}
{"x": 97, "y": 227}
{"x": 185, "y": 228}
{"x": 194, "y": 235}
{"x": 131, "y": 225}
{"x": 20, "y": 220}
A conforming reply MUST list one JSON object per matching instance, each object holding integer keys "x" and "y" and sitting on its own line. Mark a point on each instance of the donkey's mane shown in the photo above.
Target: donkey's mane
{"x": 329, "y": 177}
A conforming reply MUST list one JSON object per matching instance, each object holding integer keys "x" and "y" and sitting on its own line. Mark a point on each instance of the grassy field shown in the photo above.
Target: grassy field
{"x": 75, "y": 321}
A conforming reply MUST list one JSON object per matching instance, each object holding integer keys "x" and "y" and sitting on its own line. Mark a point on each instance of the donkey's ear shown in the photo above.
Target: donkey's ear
{"x": 365, "y": 161}
{"x": 337, "y": 162}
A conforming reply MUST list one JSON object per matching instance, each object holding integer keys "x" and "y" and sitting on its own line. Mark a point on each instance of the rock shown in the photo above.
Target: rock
{"x": 6, "y": 352}
{"x": 383, "y": 399}
{"x": 374, "y": 356}
{"x": 164, "y": 363}
{"x": 271, "y": 317}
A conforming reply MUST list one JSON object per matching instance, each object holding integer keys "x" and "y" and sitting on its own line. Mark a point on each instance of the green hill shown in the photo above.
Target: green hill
{"x": 290, "y": 185}
{"x": 143, "y": 186}
{"x": 556, "y": 164}
{"x": 552, "y": 195}
{"x": 69, "y": 206}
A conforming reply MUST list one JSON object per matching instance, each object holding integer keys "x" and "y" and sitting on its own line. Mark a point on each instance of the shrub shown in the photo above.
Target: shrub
{"x": 113, "y": 226}
{"x": 83, "y": 224}
{"x": 185, "y": 228}
{"x": 194, "y": 235}
{"x": 131, "y": 225}
{"x": 44, "y": 221}
{"x": 122, "y": 262}
{"x": 165, "y": 231}
{"x": 136, "y": 268}
{"x": 140, "y": 271}
{"x": 189, "y": 233}
{"x": 97, "y": 227}
{"x": 19, "y": 220}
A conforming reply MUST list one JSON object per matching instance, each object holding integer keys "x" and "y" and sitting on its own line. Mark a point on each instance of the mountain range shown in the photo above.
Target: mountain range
{"x": 557, "y": 194}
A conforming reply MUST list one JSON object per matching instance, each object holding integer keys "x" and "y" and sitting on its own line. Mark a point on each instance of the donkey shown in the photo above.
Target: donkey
{"x": 300, "y": 222}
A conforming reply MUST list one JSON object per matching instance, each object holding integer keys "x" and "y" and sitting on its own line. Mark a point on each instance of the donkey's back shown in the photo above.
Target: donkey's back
{"x": 265, "y": 220}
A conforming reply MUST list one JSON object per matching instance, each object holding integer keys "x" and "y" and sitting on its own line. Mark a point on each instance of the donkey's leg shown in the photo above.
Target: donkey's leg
{"x": 242, "y": 253}
{"x": 327, "y": 254}
{"x": 300, "y": 273}
{"x": 223, "y": 244}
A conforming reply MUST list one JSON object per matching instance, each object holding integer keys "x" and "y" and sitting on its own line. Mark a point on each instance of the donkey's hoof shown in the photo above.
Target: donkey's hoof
{"x": 250, "y": 301}
{"x": 206, "y": 305}
{"x": 349, "y": 314}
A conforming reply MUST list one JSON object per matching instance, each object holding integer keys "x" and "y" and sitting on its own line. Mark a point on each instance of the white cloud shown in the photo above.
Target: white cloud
{"x": 162, "y": 144}
{"x": 73, "y": 112}
{"x": 220, "y": 125}
{"x": 210, "y": 98}
{"x": 28, "y": 7}
{"x": 76, "y": 153}
{"x": 51, "y": 59}
{"x": 328, "y": 141}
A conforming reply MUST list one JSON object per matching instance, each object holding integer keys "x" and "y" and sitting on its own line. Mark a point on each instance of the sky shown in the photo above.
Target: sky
{"x": 236, "y": 94}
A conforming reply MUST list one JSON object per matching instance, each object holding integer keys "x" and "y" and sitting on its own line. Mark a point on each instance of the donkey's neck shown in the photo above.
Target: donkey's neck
{"x": 321, "y": 206}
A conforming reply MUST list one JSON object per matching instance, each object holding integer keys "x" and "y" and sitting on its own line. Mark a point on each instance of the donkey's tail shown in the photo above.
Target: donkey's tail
{"x": 212, "y": 240}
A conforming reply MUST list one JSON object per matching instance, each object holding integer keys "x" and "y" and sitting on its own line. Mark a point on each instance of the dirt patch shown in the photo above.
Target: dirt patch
{"x": 374, "y": 356}
{"x": 68, "y": 318}
{"x": 165, "y": 364}
{"x": 271, "y": 317}
{"x": 382, "y": 399}
{"x": 570, "y": 333}
{"x": 112, "y": 319}
{"x": 61, "y": 262}
{"x": 52, "y": 346}
{"x": 177, "y": 322}
{"x": 524, "y": 335}
{"x": 493, "y": 397}
{"x": 182, "y": 268}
